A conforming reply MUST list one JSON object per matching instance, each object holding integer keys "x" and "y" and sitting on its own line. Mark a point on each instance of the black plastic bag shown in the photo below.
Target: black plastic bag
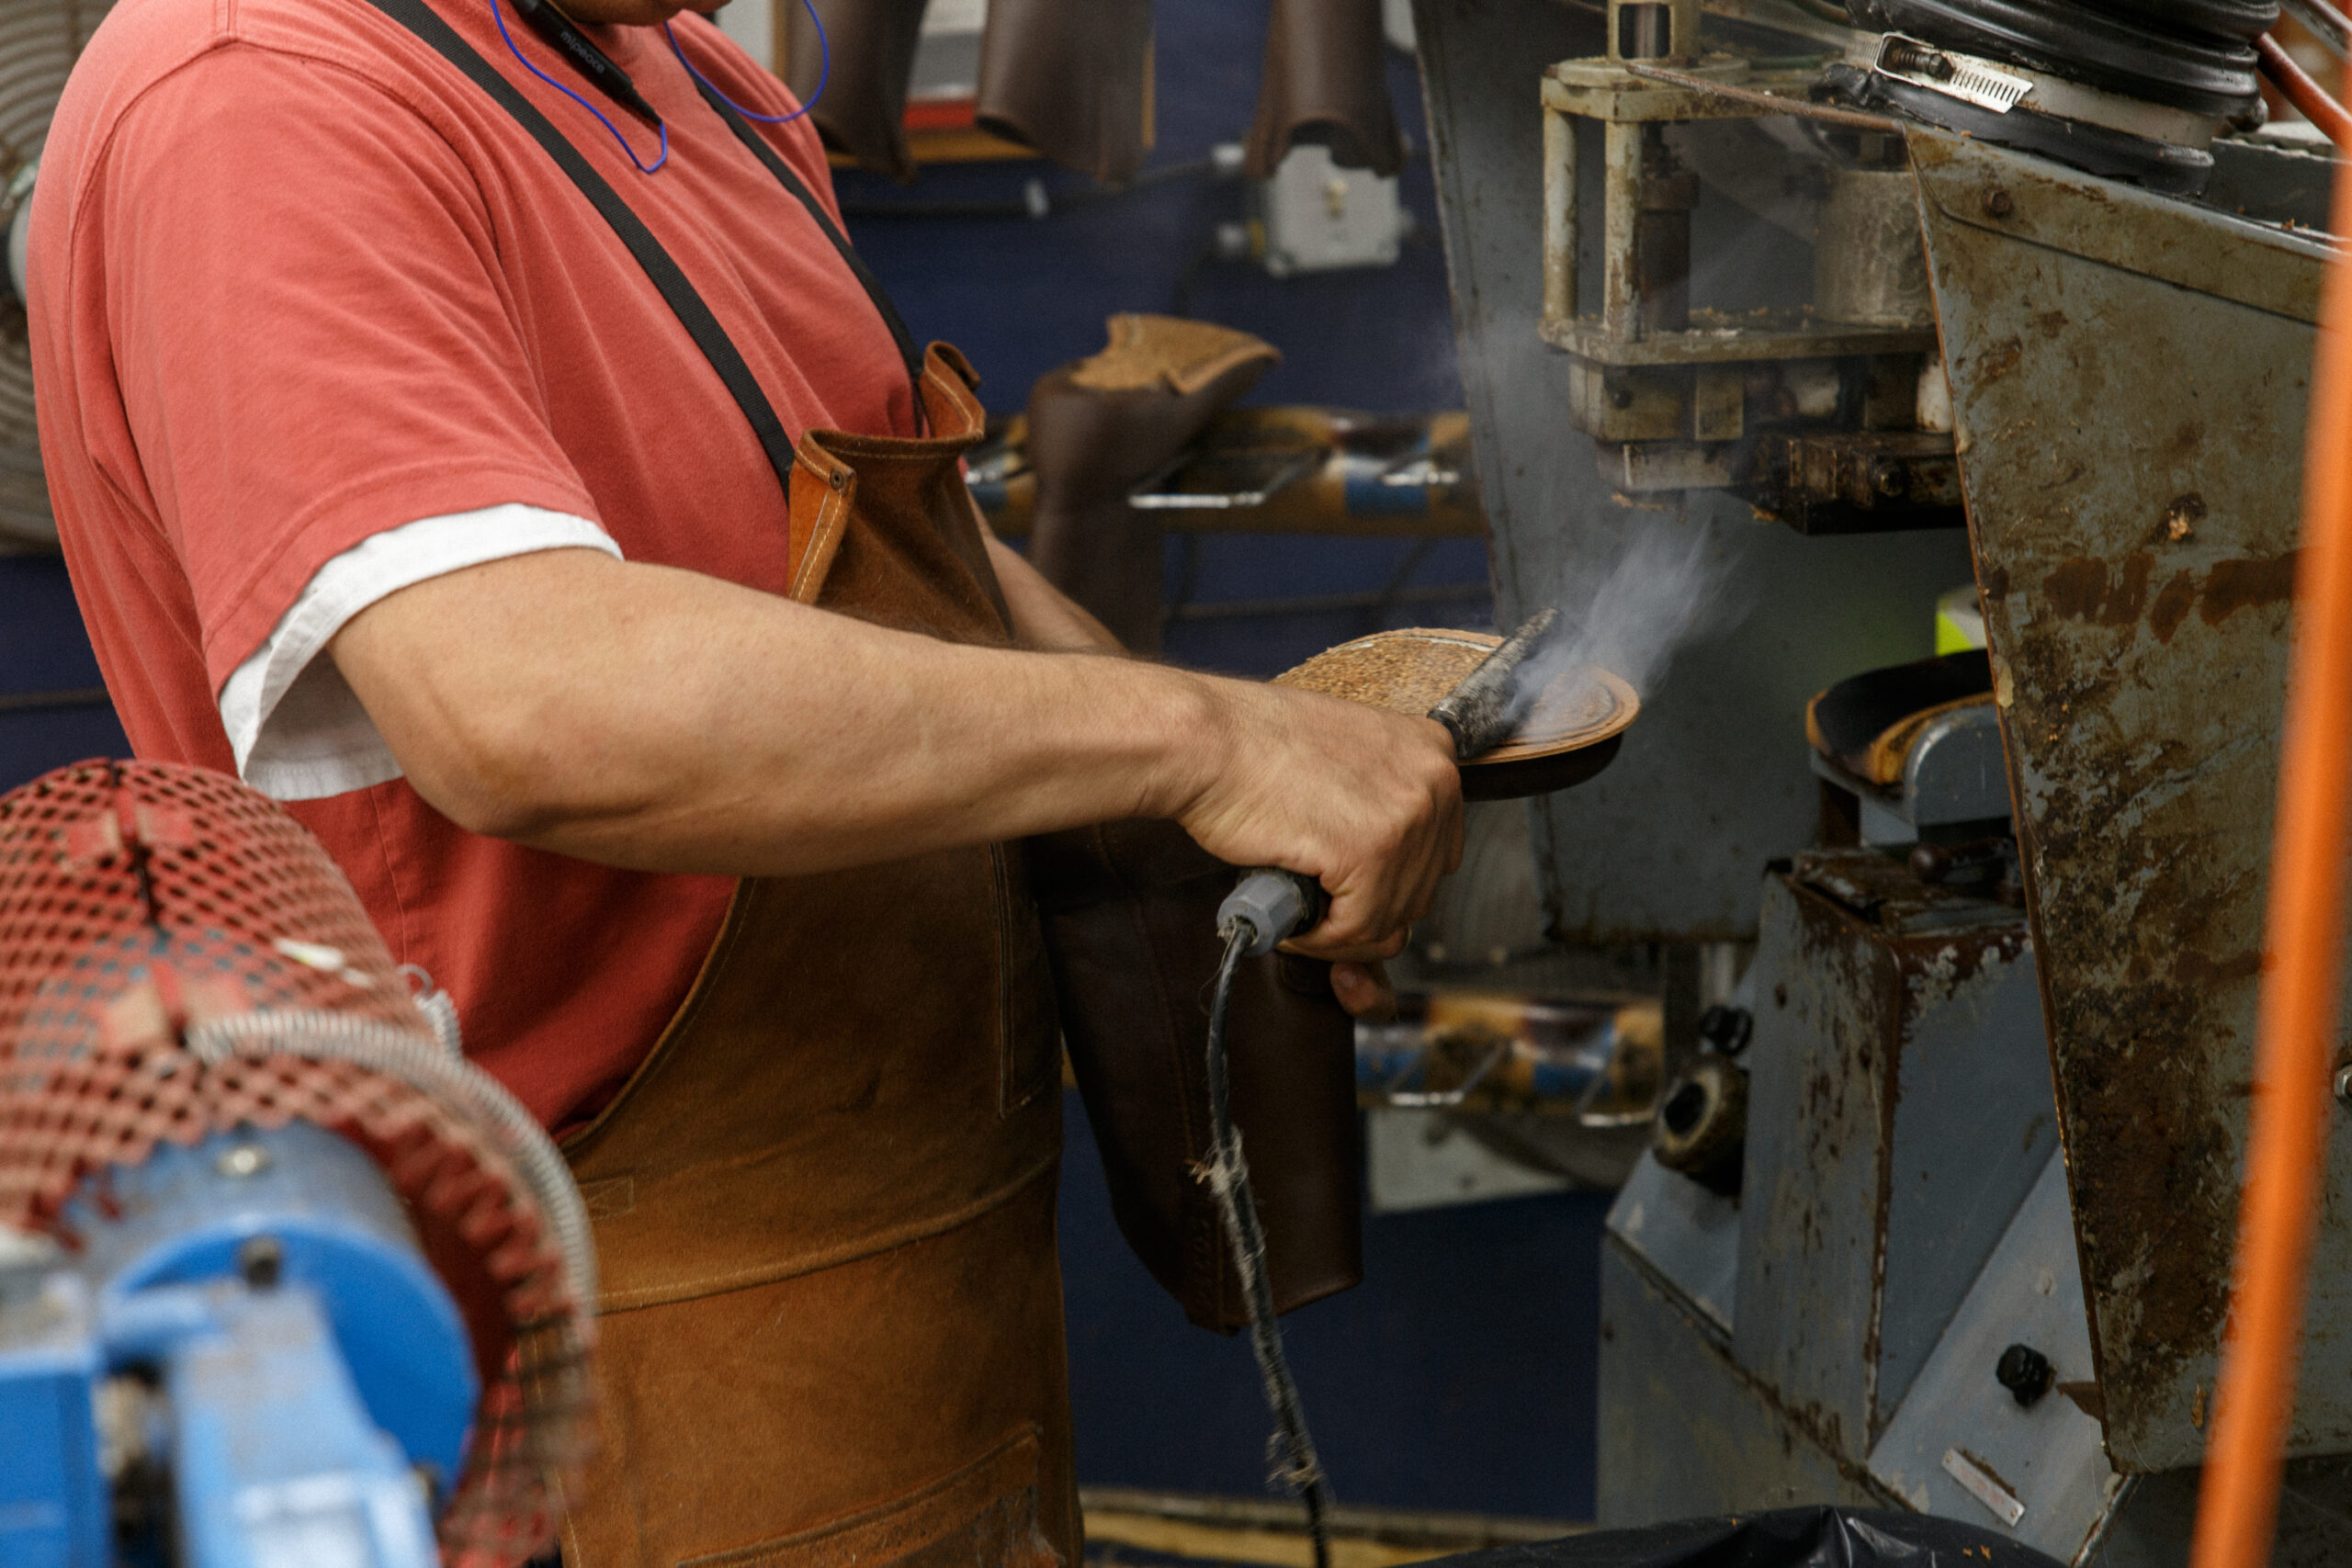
{"x": 1786, "y": 1538}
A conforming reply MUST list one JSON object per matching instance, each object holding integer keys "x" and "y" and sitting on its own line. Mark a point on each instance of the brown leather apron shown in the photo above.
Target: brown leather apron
{"x": 831, "y": 1319}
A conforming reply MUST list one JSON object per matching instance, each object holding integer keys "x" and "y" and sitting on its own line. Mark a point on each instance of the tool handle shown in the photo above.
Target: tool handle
{"x": 1274, "y": 903}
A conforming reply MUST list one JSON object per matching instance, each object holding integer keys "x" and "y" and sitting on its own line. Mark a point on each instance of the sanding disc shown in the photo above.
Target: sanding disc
{"x": 1570, "y": 734}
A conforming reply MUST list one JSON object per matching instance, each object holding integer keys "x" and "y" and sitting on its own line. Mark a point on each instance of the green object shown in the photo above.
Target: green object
{"x": 1960, "y": 621}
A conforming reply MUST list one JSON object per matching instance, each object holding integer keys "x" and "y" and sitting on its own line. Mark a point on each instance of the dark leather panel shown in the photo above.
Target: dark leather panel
{"x": 1071, "y": 78}
{"x": 1325, "y": 82}
{"x": 1130, "y": 913}
{"x": 863, "y": 110}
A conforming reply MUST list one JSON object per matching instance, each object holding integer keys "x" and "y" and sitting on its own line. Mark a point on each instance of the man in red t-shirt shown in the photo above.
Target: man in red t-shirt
{"x": 387, "y": 481}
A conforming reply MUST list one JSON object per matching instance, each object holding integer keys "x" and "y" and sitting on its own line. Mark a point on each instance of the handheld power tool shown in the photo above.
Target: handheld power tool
{"x": 1481, "y": 713}
{"x": 1266, "y": 907}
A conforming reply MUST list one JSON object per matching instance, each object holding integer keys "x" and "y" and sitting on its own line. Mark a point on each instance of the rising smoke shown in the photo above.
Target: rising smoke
{"x": 1670, "y": 583}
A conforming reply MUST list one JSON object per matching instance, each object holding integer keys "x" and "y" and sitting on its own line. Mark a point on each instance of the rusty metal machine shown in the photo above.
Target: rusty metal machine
{"x": 1885, "y": 300}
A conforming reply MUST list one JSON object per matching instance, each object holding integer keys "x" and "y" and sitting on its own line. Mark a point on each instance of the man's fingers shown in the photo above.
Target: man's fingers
{"x": 1387, "y": 947}
{"x": 1366, "y": 991}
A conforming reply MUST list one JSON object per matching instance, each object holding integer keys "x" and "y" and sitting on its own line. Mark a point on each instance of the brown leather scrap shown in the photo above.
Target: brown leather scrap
{"x": 1096, "y": 428}
{"x": 1072, "y": 79}
{"x": 863, "y": 110}
{"x": 1129, "y": 910}
{"x": 1182, "y": 356}
{"x": 1326, "y": 81}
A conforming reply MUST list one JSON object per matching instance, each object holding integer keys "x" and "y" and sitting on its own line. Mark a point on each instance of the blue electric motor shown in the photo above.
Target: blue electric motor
{"x": 248, "y": 1364}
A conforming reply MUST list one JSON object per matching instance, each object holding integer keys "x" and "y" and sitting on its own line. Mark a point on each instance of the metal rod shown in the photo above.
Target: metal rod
{"x": 35, "y": 701}
{"x": 1778, "y": 103}
{"x": 1621, "y": 203}
{"x": 2323, "y": 22}
{"x": 1559, "y": 216}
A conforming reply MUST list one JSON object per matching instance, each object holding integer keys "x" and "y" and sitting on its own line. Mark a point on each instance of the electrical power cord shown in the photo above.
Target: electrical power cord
{"x": 1291, "y": 1448}
{"x": 824, "y": 72}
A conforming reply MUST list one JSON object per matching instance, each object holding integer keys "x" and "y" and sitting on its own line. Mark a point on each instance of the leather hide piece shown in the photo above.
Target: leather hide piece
{"x": 863, "y": 110}
{"x": 1129, "y": 910}
{"x": 1326, "y": 83}
{"x": 1071, "y": 78}
{"x": 1099, "y": 425}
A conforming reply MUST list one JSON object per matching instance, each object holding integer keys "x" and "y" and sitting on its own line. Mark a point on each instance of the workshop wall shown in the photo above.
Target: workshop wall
{"x": 52, "y": 710}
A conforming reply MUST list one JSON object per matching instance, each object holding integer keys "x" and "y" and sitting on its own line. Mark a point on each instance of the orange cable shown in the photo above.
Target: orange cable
{"x": 2313, "y": 102}
{"x": 2295, "y": 1033}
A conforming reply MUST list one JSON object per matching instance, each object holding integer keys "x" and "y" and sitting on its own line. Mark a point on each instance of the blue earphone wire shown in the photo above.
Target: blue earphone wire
{"x": 824, "y": 74}
{"x": 825, "y": 71}
{"x": 498, "y": 11}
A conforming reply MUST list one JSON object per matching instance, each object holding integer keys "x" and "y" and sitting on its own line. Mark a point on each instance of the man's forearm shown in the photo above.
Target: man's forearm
{"x": 672, "y": 721}
{"x": 654, "y": 718}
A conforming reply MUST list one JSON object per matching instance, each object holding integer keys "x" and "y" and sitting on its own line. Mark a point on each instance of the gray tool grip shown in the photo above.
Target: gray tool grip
{"x": 1274, "y": 903}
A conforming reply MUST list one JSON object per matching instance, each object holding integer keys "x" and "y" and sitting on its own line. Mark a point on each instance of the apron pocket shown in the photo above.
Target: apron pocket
{"x": 981, "y": 1516}
{"x": 1030, "y": 1037}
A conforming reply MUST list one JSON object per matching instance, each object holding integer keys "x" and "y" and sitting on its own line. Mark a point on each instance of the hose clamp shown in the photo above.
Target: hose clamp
{"x": 1962, "y": 76}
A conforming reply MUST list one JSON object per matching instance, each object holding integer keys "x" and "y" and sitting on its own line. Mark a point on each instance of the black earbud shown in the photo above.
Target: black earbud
{"x": 564, "y": 34}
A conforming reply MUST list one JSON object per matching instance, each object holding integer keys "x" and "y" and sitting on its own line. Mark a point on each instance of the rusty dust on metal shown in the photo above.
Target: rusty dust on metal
{"x": 2131, "y": 498}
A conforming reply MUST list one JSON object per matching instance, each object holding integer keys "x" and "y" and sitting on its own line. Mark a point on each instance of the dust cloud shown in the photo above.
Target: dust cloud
{"x": 1670, "y": 584}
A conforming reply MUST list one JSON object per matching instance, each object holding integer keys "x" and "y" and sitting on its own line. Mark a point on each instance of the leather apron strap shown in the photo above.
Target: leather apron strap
{"x": 667, "y": 276}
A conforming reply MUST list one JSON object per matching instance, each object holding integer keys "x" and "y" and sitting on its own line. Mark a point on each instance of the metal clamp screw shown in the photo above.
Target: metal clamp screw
{"x": 261, "y": 1262}
{"x": 2343, "y": 1083}
{"x": 2026, "y": 1372}
{"x": 1998, "y": 203}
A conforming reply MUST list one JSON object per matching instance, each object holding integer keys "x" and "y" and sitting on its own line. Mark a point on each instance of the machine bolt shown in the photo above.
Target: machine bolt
{"x": 1726, "y": 1028}
{"x": 1920, "y": 60}
{"x": 1620, "y": 397}
{"x": 261, "y": 1262}
{"x": 2025, "y": 1373}
{"x": 245, "y": 1159}
{"x": 1889, "y": 478}
{"x": 1702, "y": 1124}
{"x": 2343, "y": 1083}
{"x": 1998, "y": 203}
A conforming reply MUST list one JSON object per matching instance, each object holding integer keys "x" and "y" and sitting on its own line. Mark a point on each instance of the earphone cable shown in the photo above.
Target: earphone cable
{"x": 498, "y": 12}
{"x": 824, "y": 72}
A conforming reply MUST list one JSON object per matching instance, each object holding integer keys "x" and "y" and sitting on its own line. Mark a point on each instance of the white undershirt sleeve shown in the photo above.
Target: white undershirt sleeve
{"x": 297, "y": 731}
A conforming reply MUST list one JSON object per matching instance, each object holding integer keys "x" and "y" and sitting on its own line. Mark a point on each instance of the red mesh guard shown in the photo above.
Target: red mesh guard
{"x": 138, "y": 898}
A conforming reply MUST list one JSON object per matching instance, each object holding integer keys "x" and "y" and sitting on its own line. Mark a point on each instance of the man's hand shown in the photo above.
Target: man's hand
{"x": 1364, "y": 990}
{"x": 1046, "y": 618}
{"x": 1366, "y": 802}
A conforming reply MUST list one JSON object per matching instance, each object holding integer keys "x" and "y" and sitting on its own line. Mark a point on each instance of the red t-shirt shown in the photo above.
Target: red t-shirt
{"x": 297, "y": 281}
